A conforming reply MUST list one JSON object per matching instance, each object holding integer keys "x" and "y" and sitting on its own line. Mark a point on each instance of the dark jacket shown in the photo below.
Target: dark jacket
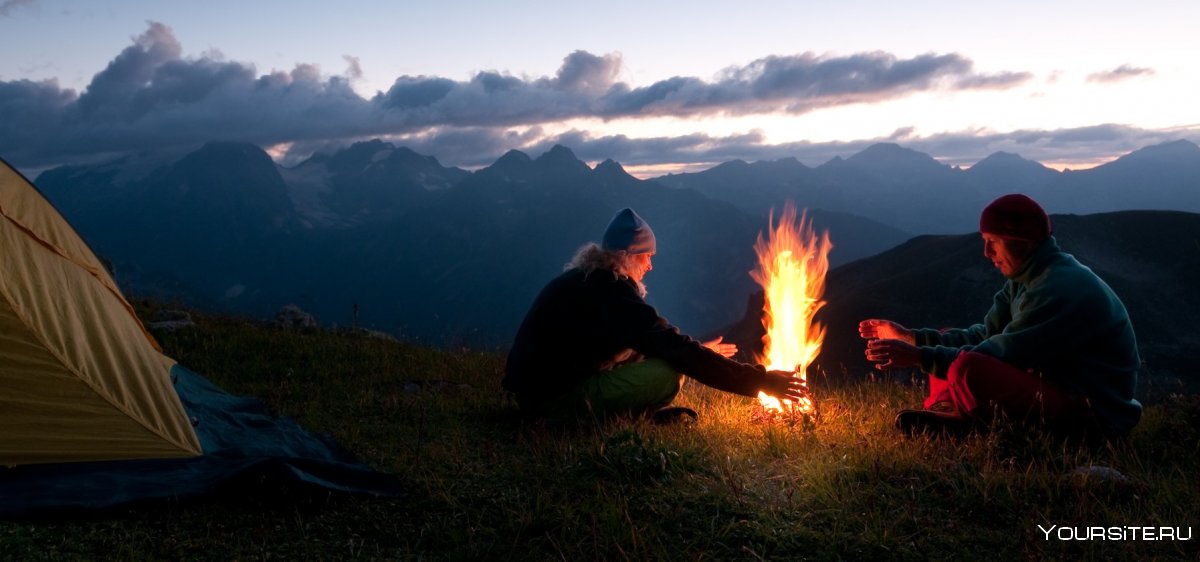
{"x": 579, "y": 322}
{"x": 1056, "y": 317}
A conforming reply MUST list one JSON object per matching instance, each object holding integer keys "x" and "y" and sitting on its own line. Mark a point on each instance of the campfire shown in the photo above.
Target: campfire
{"x": 792, "y": 263}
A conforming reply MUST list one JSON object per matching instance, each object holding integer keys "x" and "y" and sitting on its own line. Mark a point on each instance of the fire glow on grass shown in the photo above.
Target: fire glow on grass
{"x": 792, "y": 263}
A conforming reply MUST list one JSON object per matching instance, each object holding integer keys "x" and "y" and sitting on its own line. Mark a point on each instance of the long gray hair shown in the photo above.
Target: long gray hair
{"x": 591, "y": 257}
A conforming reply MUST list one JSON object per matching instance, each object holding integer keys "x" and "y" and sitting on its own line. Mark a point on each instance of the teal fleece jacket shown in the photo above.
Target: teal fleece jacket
{"x": 1056, "y": 317}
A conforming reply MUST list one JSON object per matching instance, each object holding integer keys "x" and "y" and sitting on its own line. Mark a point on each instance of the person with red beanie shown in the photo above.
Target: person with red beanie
{"x": 1057, "y": 348}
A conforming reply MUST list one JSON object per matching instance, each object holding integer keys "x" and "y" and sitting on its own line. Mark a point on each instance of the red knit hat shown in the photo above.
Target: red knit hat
{"x": 1015, "y": 216}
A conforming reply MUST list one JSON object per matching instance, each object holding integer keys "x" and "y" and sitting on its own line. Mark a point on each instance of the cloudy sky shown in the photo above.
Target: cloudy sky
{"x": 657, "y": 86}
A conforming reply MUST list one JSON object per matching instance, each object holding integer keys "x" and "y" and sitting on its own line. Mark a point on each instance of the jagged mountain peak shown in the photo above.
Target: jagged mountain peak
{"x": 225, "y": 165}
{"x": 1001, "y": 156}
{"x": 1168, "y": 152}
{"x": 887, "y": 154}
{"x": 788, "y": 165}
{"x": 513, "y": 157}
{"x": 610, "y": 166}
{"x": 354, "y": 158}
{"x": 558, "y": 153}
{"x": 404, "y": 157}
{"x": 234, "y": 187}
{"x": 732, "y": 165}
{"x": 560, "y": 160}
{"x": 833, "y": 163}
{"x": 228, "y": 149}
{"x": 1001, "y": 162}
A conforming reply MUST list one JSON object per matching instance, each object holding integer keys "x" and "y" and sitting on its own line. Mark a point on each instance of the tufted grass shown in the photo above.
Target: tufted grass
{"x": 487, "y": 485}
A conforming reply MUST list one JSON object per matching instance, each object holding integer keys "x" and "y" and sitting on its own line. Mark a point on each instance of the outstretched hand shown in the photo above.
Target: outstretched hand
{"x": 783, "y": 385}
{"x": 887, "y": 354}
{"x": 879, "y": 329}
{"x": 725, "y": 349}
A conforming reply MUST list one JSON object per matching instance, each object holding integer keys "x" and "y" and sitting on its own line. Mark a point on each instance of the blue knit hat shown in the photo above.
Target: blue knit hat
{"x": 629, "y": 233}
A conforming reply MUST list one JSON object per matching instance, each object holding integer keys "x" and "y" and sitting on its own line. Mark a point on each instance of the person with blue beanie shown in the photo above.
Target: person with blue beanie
{"x": 591, "y": 346}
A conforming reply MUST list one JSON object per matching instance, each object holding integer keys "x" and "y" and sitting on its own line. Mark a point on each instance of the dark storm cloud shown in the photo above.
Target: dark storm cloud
{"x": 30, "y": 114}
{"x": 131, "y": 73}
{"x": 801, "y": 83}
{"x": 491, "y": 98}
{"x": 411, "y": 93}
{"x": 150, "y": 95}
{"x": 1123, "y": 72}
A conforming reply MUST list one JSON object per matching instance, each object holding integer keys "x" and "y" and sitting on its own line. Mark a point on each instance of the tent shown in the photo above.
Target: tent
{"x": 80, "y": 378}
{"x": 93, "y": 414}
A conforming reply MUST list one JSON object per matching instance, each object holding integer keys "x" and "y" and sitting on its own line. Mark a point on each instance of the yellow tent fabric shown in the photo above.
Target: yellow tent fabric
{"x": 80, "y": 378}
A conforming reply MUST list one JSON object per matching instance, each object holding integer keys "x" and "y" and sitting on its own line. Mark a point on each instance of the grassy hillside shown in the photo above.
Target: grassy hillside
{"x": 485, "y": 485}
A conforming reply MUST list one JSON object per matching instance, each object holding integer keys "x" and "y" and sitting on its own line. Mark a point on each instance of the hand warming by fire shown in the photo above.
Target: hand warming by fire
{"x": 889, "y": 344}
{"x": 792, "y": 263}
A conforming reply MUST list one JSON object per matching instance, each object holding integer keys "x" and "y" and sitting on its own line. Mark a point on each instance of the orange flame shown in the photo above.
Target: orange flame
{"x": 791, "y": 269}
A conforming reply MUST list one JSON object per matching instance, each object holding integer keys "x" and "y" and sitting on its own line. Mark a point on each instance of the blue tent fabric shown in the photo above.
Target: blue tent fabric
{"x": 243, "y": 443}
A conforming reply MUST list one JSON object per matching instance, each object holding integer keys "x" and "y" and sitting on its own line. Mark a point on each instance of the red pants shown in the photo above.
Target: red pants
{"x": 984, "y": 388}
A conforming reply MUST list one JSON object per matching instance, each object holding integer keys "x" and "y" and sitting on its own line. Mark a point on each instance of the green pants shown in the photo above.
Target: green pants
{"x": 632, "y": 388}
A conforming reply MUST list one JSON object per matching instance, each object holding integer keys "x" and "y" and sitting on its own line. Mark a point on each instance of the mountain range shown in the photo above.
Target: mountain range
{"x": 439, "y": 254}
{"x": 913, "y": 192}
